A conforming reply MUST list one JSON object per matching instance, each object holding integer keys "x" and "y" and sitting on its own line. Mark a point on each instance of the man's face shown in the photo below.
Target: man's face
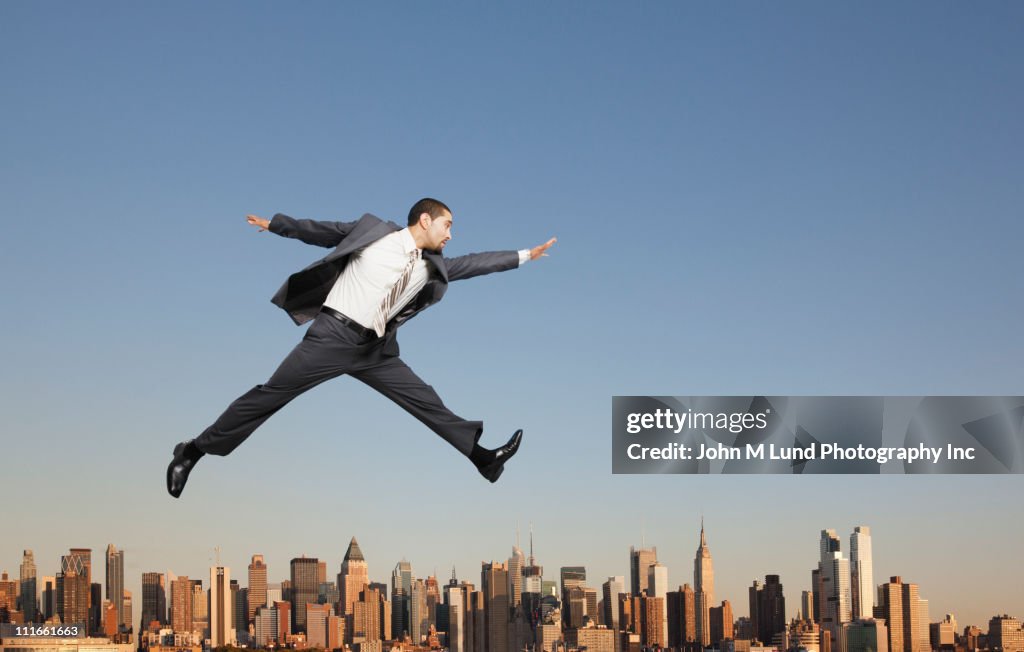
{"x": 439, "y": 231}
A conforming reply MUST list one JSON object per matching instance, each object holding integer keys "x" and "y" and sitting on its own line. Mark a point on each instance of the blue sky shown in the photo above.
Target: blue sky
{"x": 749, "y": 199}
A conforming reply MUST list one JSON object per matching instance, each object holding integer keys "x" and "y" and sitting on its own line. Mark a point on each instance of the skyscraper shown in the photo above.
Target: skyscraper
{"x": 115, "y": 581}
{"x": 418, "y": 624}
{"x": 74, "y": 598}
{"x": 8, "y": 595}
{"x": 516, "y": 563}
{"x": 494, "y": 584}
{"x": 257, "y": 586}
{"x": 316, "y": 624}
{"x": 571, "y": 577}
{"x": 401, "y": 593}
{"x": 640, "y": 559}
{"x": 703, "y": 588}
{"x": 862, "y": 580}
{"x": 353, "y": 578}
{"x": 657, "y": 586}
{"x": 834, "y": 578}
{"x": 767, "y": 609}
{"x": 154, "y": 599}
{"x": 181, "y": 604}
{"x": 611, "y": 590}
{"x": 682, "y": 619}
{"x": 305, "y": 580}
{"x": 221, "y": 604}
{"x": 27, "y": 601}
{"x": 906, "y": 616}
{"x": 721, "y": 622}
{"x": 456, "y": 620}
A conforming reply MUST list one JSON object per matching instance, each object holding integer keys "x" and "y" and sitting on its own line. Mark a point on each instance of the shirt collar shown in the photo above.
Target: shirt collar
{"x": 408, "y": 244}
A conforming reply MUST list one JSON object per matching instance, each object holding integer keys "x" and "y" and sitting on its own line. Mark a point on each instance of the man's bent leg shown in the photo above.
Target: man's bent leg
{"x": 324, "y": 353}
{"x": 394, "y": 379}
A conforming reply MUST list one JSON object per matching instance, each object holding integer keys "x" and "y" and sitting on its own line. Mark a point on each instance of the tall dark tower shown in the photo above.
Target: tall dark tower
{"x": 703, "y": 588}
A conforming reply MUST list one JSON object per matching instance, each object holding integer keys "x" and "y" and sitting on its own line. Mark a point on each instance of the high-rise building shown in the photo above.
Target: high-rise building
{"x": 682, "y": 619}
{"x": 516, "y": 563}
{"x": 126, "y": 608}
{"x": 284, "y": 620}
{"x": 703, "y": 588}
{"x": 572, "y": 577}
{"x": 74, "y": 587}
{"x": 652, "y": 623}
{"x": 721, "y": 622}
{"x": 181, "y": 604}
{"x": 494, "y": 584}
{"x": 316, "y": 624}
{"x": 862, "y": 579}
{"x": 906, "y": 616}
{"x": 154, "y": 599}
{"x": 49, "y": 597}
{"x": 639, "y": 561}
{"x": 834, "y": 594}
{"x": 367, "y": 617}
{"x": 115, "y": 581}
{"x": 657, "y": 586}
{"x": 611, "y": 590}
{"x": 807, "y": 605}
{"x": 401, "y": 594}
{"x": 257, "y": 586}
{"x": 221, "y": 605}
{"x": 1006, "y": 633}
{"x": 265, "y": 621}
{"x": 942, "y": 635}
{"x": 27, "y": 603}
{"x": 200, "y": 606}
{"x": 335, "y": 632}
{"x": 767, "y": 609}
{"x": 8, "y": 596}
{"x": 353, "y": 578}
{"x": 418, "y": 621}
{"x": 305, "y": 583}
{"x": 240, "y": 612}
{"x": 456, "y": 620}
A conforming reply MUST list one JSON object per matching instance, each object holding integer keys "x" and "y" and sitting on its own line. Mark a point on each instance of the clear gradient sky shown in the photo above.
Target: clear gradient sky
{"x": 750, "y": 198}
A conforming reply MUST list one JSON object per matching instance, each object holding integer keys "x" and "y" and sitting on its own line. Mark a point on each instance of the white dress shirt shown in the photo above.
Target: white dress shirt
{"x": 371, "y": 273}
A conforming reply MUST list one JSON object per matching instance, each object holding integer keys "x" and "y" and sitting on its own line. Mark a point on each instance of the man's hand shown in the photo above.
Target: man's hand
{"x": 258, "y": 221}
{"x": 539, "y": 250}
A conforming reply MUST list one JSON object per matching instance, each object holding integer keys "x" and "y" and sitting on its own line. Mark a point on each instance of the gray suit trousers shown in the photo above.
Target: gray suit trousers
{"x": 330, "y": 349}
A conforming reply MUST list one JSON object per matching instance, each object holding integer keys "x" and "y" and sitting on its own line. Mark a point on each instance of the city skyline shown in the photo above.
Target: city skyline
{"x": 353, "y": 555}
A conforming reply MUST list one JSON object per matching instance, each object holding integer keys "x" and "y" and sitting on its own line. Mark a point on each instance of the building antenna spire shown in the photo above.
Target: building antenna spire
{"x": 531, "y": 543}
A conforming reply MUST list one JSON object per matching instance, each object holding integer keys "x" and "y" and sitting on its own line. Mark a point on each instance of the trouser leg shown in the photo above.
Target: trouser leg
{"x": 322, "y": 354}
{"x": 395, "y": 380}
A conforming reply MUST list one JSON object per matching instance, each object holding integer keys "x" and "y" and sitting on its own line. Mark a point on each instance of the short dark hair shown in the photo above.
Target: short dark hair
{"x": 433, "y": 207}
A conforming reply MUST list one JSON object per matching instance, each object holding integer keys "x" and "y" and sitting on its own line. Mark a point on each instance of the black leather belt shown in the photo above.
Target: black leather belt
{"x": 353, "y": 326}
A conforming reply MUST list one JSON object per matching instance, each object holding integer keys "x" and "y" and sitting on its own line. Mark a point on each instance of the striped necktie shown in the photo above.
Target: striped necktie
{"x": 381, "y": 319}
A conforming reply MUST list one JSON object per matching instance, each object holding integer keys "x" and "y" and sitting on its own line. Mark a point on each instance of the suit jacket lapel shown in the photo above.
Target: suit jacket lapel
{"x": 438, "y": 261}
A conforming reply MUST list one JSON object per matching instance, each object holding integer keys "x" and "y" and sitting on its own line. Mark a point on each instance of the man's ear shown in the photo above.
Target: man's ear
{"x": 424, "y": 220}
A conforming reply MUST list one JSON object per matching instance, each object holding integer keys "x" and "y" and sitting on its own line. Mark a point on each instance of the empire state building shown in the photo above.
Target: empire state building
{"x": 703, "y": 588}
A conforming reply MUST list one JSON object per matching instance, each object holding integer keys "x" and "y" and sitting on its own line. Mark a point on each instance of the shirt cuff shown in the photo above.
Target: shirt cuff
{"x": 524, "y": 256}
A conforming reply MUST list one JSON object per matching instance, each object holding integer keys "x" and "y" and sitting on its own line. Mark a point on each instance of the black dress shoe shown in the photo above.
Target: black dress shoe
{"x": 493, "y": 469}
{"x": 178, "y": 469}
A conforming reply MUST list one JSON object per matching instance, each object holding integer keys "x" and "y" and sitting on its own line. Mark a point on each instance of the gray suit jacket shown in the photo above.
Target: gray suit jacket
{"x": 304, "y": 293}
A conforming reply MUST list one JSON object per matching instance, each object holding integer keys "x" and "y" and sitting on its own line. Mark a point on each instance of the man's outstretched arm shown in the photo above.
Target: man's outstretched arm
{"x": 470, "y": 265}
{"x": 323, "y": 234}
